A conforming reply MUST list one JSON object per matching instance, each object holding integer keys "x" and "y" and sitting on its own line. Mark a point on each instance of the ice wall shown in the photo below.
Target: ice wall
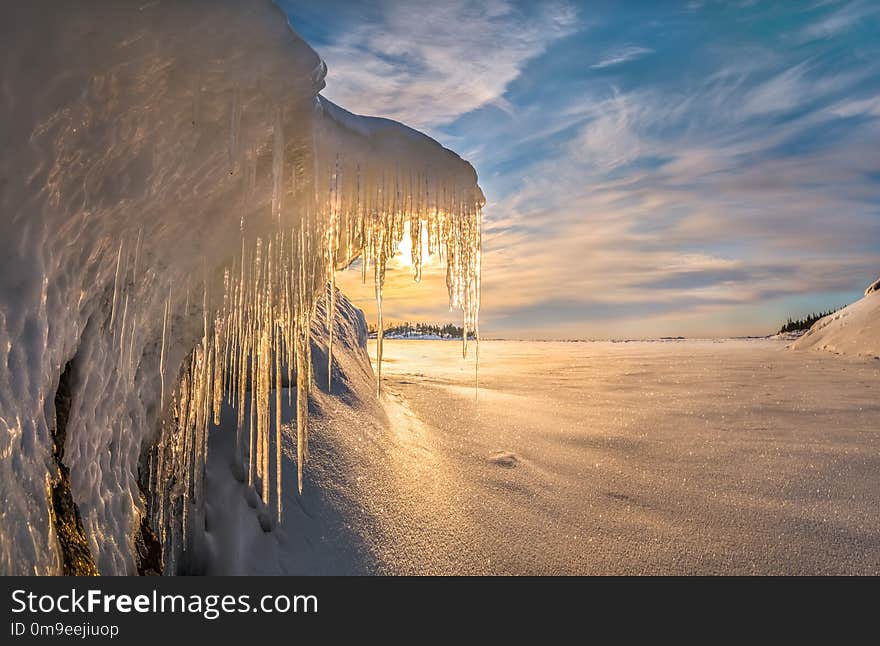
{"x": 175, "y": 198}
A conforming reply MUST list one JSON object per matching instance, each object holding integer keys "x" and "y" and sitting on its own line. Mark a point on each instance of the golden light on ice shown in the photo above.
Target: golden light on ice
{"x": 403, "y": 258}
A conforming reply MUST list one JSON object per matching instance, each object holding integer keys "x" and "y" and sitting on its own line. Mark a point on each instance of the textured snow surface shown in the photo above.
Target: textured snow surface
{"x": 728, "y": 457}
{"x": 148, "y": 149}
{"x": 854, "y": 330}
{"x": 686, "y": 457}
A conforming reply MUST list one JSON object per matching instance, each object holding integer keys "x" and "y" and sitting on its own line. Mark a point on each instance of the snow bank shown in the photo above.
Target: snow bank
{"x": 175, "y": 199}
{"x": 854, "y": 330}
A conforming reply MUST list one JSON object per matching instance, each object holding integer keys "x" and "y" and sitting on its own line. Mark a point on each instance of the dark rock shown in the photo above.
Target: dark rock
{"x": 76, "y": 558}
{"x": 148, "y": 550}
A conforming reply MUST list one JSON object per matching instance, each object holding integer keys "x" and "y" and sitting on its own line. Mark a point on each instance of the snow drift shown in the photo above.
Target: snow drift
{"x": 854, "y": 330}
{"x": 176, "y": 198}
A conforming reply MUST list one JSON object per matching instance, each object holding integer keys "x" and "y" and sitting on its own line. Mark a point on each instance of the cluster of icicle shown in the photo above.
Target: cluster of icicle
{"x": 256, "y": 340}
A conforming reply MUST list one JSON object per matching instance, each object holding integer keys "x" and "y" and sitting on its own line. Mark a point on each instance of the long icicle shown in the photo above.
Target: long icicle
{"x": 162, "y": 352}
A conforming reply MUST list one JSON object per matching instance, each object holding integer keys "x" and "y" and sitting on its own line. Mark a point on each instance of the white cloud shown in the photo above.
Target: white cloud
{"x": 742, "y": 199}
{"x": 780, "y": 93}
{"x": 839, "y": 21}
{"x": 795, "y": 88}
{"x": 426, "y": 62}
{"x": 869, "y": 107}
{"x": 725, "y": 222}
{"x": 611, "y": 138}
{"x": 622, "y": 55}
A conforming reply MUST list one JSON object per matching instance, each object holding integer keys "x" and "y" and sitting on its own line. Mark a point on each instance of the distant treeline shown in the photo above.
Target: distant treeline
{"x": 804, "y": 323}
{"x": 447, "y": 331}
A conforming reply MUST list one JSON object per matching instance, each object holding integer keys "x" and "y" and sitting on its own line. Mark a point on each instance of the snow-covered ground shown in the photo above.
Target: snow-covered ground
{"x": 687, "y": 457}
{"x": 854, "y": 330}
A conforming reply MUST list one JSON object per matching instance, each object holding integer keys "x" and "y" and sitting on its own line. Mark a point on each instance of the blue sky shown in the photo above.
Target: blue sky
{"x": 651, "y": 168}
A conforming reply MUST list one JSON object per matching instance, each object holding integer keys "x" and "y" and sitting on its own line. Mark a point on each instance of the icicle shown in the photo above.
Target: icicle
{"x": 122, "y": 332}
{"x": 476, "y": 304}
{"x": 116, "y": 286}
{"x": 331, "y": 315}
{"x": 332, "y": 244}
{"x": 277, "y": 353}
{"x": 131, "y": 363}
{"x": 182, "y": 416}
{"x": 302, "y": 403}
{"x": 277, "y": 163}
{"x": 262, "y": 325}
{"x": 377, "y": 273}
{"x": 241, "y": 339}
{"x": 252, "y": 458}
{"x": 234, "y": 129}
{"x": 162, "y": 352}
{"x": 138, "y": 246}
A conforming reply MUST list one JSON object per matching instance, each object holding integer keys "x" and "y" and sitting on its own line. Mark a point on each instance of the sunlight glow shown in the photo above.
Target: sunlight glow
{"x": 403, "y": 258}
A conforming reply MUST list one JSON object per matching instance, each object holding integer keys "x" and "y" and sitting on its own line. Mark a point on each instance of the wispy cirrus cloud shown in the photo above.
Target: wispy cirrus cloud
{"x": 839, "y": 20}
{"x": 660, "y": 200}
{"x": 622, "y": 55}
{"x": 426, "y": 62}
{"x": 796, "y": 87}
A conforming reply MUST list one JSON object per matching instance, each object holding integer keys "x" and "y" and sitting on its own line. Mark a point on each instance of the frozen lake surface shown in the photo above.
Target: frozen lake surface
{"x": 677, "y": 457}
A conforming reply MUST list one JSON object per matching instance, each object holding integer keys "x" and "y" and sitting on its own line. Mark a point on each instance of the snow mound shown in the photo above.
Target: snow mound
{"x": 504, "y": 459}
{"x": 853, "y": 331}
{"x": 788, "y": 337}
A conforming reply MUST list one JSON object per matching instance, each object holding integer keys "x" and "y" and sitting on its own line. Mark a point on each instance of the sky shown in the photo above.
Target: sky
{"x": 651, "y": 168}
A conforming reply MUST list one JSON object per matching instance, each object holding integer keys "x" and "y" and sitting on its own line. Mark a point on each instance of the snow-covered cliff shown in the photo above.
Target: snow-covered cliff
{"x": 175, "y": 198}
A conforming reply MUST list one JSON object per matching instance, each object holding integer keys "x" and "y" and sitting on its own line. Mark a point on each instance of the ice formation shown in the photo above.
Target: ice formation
{"x": 176, "y": 199}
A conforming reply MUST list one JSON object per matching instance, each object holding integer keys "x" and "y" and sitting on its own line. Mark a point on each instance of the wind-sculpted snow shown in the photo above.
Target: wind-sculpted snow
{"x": 853, "y": 331}
{"x": 175, "y": 198}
